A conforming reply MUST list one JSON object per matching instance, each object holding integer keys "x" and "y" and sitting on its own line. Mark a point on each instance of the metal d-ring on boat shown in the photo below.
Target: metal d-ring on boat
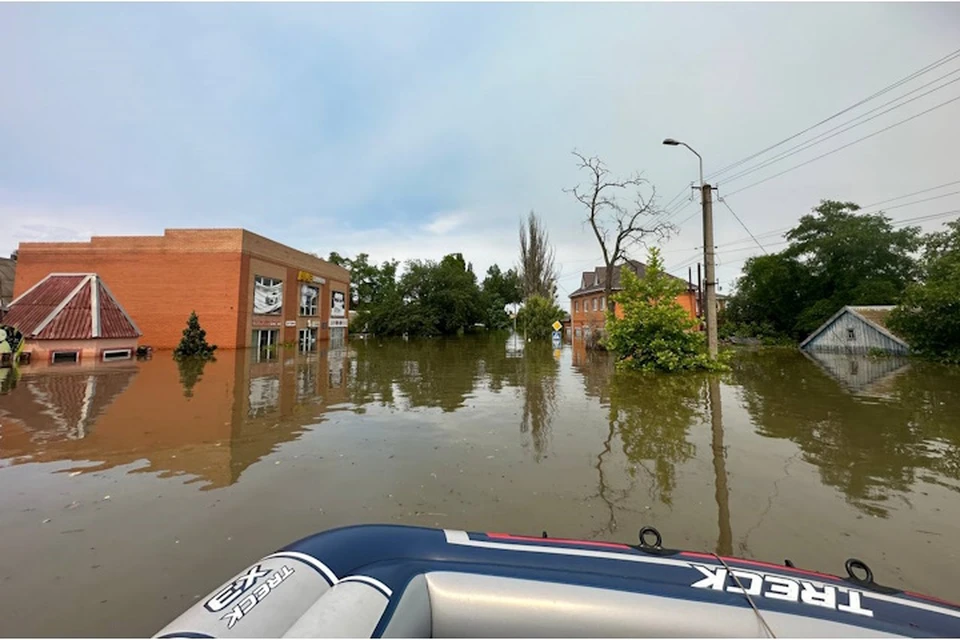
{"x": 395, "y": 581}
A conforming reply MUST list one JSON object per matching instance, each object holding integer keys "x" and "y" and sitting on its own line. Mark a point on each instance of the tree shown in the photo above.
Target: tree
{"x": 537, "y": 316}
{"x": 193, "y": 344}
{"x": 618, "y": 227}
{"x": 929, "y": 313}
{"x": 368, "y": 283}
{"x": 497, "y": 291}
{"x": 835, "y": 257}
{"x": 655, "y": 332}
{"x": 537, "y": 273}
{"x": 771, "y": 295}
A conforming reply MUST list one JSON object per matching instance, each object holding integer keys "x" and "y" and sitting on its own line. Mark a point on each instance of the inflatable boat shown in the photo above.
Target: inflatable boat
{"x": 395, "y": 581}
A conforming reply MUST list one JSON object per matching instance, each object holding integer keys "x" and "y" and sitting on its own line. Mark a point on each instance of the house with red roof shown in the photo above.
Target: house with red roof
{"x": 73, "y": 317}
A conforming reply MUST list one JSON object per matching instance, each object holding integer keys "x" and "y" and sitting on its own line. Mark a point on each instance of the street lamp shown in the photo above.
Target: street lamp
{"x": 706, "y": 197}
{"x": 670, "y": 142}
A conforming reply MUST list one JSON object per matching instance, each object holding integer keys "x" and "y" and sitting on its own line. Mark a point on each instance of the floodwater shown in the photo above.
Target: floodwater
{"x": 130, "y": 490}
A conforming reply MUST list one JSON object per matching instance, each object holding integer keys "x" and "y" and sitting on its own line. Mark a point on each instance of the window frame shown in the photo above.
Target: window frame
{"x": 316, "y": 303}
{"x": 595, "y": 300}
{"x": 267, "y": 281}
{"x": 851, "y": 334}
{"x": 104, "y": 353}
{"x": 75, "y": 352}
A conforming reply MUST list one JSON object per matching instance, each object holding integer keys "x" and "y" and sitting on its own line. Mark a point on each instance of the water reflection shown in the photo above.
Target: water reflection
{"x": 191, "y": 370}
{"x": 165, "y": 417}
{"x": 861, "y": 374}
{"x": 870, "y": 448}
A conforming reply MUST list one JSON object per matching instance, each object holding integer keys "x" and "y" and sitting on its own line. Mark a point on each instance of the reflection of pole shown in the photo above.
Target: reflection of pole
{"x": 725, "y": 541}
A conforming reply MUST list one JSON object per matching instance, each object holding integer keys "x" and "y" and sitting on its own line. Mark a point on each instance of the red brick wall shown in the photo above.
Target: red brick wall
{"x": 159, "y": 280}
{"x": 587, "y": 317}
{"x": 157, "y": 286}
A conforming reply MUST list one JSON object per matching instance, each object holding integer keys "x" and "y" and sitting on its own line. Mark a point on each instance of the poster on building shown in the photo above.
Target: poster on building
{"x": 267, "y": 296}
{"x": 338, "y": 304}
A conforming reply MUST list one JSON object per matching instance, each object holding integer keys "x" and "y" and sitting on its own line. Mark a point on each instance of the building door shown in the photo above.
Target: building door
{"x": 308, "y": 340}
{"x": 266, "y": 341}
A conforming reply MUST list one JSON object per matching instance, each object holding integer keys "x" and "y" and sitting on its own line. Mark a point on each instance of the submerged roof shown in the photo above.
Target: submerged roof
{"x": 874, "y": 315}
{"x": 70, "y": 306}
{"x": 593, "y": 281}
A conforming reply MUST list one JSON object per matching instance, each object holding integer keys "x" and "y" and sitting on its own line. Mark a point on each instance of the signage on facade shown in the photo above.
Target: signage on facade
{"x": 261, "y": 323}
{"x": 338, "y": 304}
{"x": 290, "y": 323}
{"x": 338, "y": 323}
{"x": 304, "y": 276}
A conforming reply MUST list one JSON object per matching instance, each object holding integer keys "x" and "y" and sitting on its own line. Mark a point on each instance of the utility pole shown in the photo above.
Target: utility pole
{"x": 706, "y": 195}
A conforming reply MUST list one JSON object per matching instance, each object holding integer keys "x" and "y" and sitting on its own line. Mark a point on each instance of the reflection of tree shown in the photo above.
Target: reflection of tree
{"x": 429, "y": 373}
{"x": 653, "y": 413}
{"x": 539, "y": 380}
{"x": 191, "y": 370}
{"x": 866, "y": 448}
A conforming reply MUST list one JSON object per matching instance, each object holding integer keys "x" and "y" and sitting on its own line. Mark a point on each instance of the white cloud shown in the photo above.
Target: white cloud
{"x": 444, "y": 223}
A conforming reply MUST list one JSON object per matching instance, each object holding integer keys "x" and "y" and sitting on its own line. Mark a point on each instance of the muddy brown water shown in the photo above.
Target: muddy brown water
{"x": 129, "y": 490}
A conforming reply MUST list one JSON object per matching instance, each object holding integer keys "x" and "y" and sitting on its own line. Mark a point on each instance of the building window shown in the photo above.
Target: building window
{"x": 60, "y": 357}
{"x": 576, "y": 306}
{"x": 117, "y": 354}
{"x": 603, "y": 302}
{"x": 595, "y": 304}
{"x": 266, "y": 342}
{"x": 851, "y": 334}
{"x": 267, "y": 295}
{"x": 308, "y": 340}
{"x": 309, "y": 300}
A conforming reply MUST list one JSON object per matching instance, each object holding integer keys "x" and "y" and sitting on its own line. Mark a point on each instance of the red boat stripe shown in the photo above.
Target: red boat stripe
{"x": 758, "y": 563}
{"x": 588, "y": 543}
{"x": 932, "y": 598}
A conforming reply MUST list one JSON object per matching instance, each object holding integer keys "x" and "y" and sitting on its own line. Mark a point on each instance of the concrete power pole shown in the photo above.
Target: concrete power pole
{"x": 710, "y": 313}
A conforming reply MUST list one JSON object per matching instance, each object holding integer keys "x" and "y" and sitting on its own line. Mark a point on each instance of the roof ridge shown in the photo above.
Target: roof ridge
{"x": 63, "y": 303}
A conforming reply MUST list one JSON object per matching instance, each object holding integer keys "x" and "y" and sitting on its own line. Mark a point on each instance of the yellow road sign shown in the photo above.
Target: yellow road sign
{"x": 557, "y": 325}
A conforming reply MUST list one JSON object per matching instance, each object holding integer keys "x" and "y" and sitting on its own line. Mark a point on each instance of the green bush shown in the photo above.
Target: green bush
{"x": 655, "y": 333}
{"x": 537, "y": 316}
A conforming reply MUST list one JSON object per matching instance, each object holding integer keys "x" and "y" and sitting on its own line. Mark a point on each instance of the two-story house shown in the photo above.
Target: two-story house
{"x": 588, "y": 303}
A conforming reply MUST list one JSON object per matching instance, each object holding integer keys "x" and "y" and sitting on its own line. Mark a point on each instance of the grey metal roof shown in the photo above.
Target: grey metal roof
{"x": 873, "y": 315}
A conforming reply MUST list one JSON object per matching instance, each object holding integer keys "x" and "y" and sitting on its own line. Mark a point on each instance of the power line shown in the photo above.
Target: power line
{"x": 849, "y": 144}
{"x": 750, "y": 233}
{"x": 820, "y": 138}
{"x": 939, "y": 186}
{"x": 937, "y": 63}
{"x": 899, "y": 223}
{"x": 862, "y": 212}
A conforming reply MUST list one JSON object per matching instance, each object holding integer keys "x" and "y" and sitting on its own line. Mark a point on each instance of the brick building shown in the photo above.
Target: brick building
{"x": 588, "y": 303}
{"x": 248, "y": 291}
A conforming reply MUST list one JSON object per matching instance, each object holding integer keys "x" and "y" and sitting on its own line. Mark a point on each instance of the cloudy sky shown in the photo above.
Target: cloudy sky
{"x": 411, "y": 131}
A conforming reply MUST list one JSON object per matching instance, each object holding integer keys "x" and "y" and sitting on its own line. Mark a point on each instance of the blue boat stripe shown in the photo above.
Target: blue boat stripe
{"x": 185, "y": 634}
{"x": 462, "y": 538}
{"x": 373, "y": 582}
{"x": 307, "y": 559}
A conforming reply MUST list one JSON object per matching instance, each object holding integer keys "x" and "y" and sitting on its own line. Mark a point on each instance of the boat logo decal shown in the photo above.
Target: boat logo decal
{"x": 235, "y": 589}
{"x": 782, "y": 588}
{"x": 245, "y": 606}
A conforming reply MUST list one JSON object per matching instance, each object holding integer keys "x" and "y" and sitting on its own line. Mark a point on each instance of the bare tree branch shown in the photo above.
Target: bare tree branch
{"x": 617, "y": 227}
